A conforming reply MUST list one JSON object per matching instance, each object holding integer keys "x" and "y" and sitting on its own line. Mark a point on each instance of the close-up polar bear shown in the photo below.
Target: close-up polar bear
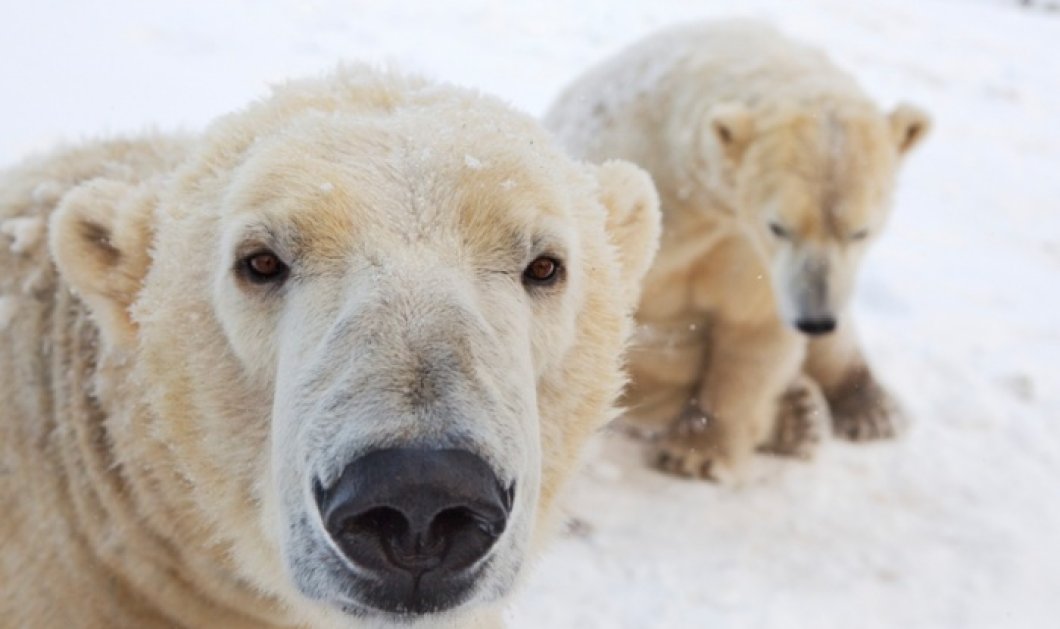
{"x": 775, "y": 173}
{"x": 326, "y": 364}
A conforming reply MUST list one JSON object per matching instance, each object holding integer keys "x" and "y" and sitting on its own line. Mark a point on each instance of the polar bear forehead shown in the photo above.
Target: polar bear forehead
{"x": 343, "y": 182}
{"x": 823, "y": 170}
{"x": 359, "y": 115}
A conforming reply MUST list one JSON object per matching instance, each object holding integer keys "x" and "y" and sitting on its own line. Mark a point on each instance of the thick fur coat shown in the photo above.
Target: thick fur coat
{"x": 775, "y": 173}
{"x": 165, "y": 415}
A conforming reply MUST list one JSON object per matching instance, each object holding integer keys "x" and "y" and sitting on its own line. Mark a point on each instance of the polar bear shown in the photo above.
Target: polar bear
{"x": 326, "y": 364}
{"x": 775, "y": 173}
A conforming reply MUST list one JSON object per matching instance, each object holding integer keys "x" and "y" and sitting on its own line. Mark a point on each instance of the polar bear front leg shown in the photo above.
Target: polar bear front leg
{"x": 861, "y": 408}
{"x": 748, "y": 369}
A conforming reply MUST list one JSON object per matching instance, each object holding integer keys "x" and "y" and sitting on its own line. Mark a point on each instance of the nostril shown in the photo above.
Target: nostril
{"x": 465, "y": 534}
{"x": 449, "y": 522}
{"x": 370, "y": 536}
{"x": 384, "y": 522}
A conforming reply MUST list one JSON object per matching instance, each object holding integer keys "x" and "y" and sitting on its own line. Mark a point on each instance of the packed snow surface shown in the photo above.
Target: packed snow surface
{"x": 956, "y": 525}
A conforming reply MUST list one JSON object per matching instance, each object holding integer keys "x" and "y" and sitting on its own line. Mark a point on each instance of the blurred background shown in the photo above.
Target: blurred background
{"x": 955, "y": 525}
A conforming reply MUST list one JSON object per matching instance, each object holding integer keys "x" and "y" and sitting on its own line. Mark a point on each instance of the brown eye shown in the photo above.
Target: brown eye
{"x": 264, "y": 267}
{"x": 543, "y": 271}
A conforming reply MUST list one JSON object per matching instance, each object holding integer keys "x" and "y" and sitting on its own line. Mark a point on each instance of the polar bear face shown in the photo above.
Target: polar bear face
{"x": 378, "y": 321}
{"x": 409, "y": 313}
{"x": 407, "y": 307}
{"x": 814, "y": 188}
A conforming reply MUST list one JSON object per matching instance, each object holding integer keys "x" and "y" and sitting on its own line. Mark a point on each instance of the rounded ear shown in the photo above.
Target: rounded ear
{"x": 909, "y": 125}
{"x": 732, "y": 126}
{"x": 99, "y": 237}
{"x": 633, "y": 219}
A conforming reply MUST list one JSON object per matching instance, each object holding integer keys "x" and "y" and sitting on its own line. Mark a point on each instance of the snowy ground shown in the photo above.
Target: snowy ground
{"x": 956, "y": 525}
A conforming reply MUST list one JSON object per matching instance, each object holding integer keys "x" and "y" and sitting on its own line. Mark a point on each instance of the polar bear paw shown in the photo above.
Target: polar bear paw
{"x": 689, "y": 448}
{"x": 802, "y": 421}
{"x": 863, "y": 410}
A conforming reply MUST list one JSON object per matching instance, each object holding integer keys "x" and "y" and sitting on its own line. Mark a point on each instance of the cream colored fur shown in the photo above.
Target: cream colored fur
{"x": 775, "y": 172}
{"x": 163, "y": 418}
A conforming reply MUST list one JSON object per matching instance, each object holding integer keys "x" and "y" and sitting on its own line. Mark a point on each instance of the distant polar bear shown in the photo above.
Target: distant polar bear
{"x": 325, "y": 365}
{"x": 775, "y": 172}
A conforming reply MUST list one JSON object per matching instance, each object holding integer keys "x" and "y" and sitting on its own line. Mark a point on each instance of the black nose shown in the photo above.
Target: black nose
{"x": 419, "y": 520}
{"x": 821, "y": 325}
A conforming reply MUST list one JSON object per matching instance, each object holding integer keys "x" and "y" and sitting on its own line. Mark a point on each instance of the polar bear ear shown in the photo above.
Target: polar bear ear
{"x": 633, "y": 219}
{"x": 732, "y": 126}
{"x": 909, "y": 125}
{"x": 99, "y": 238}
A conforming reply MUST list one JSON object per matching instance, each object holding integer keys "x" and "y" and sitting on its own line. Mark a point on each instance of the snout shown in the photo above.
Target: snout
{"x": 417, "y": 523}
{"x": 816, "y": 325}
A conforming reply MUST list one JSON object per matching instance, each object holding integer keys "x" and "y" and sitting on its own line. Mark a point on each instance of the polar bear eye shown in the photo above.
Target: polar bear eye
{"x": 543, "y": 271}
{"x": 779, "y": 231}
{"x": 263, "y": 267}
{"x": 860, "y": 234}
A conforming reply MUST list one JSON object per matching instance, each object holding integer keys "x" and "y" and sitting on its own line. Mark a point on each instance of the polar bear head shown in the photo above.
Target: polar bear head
{"x": 814, "y": 183}
{"x": 373, "y": 320}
